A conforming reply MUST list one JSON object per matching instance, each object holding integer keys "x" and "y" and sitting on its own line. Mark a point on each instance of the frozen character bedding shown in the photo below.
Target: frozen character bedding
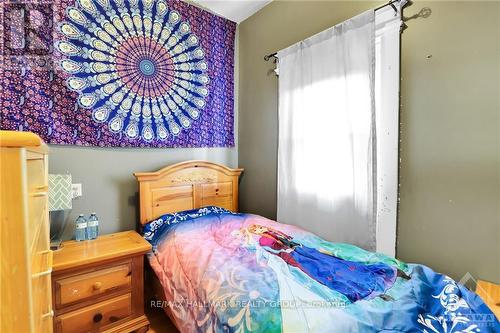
{"x": 230, "y": 272}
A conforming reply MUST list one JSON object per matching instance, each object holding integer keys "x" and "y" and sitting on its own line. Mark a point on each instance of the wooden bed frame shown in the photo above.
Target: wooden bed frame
{"x": 183, "y": 186}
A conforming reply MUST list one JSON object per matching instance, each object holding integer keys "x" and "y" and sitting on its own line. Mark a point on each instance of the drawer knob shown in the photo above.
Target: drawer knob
{"x": 48, "y": 314}
{"x": 97, "y": 285}
{"x": 97, "y": 317}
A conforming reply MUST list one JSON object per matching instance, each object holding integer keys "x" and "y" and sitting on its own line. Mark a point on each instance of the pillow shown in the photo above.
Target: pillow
{"x": 153, "y": 230}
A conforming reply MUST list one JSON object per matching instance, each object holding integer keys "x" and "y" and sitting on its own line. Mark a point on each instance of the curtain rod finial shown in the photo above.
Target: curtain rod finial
{"x": 269, "y": 56}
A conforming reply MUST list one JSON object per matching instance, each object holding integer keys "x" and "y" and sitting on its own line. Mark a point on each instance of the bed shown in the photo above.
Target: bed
{"x": 216, "y": 270}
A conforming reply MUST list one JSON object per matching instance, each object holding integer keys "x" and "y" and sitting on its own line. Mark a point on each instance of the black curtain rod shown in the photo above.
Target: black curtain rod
{"x": 390, "y": 3}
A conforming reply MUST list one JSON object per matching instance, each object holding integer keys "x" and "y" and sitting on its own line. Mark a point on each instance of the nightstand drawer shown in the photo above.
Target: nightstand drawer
{"x": 92, "y": 284}
{"x": 94, "y": 317}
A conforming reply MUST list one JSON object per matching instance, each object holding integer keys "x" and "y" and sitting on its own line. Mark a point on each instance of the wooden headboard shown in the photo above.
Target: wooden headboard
{"x": 187, "y": 185}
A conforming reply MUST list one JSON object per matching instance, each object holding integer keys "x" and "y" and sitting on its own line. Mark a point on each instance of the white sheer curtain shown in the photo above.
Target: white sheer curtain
{"x": 326, "y": 154}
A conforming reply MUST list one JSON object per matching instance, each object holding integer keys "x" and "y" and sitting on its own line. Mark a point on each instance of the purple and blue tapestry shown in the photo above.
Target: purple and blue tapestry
{"x": 118, "y": 73}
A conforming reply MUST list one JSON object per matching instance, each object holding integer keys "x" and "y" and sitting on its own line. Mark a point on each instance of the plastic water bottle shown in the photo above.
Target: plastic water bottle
{"x": 81, "y": 228}
{"x": 92, "y": 226}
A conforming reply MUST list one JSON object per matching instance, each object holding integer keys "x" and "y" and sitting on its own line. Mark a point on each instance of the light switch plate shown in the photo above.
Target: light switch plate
{"x": 76, "y": 189}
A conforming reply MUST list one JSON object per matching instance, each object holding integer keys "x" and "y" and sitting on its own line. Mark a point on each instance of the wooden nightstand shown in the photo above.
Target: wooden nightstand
{"x": 98, "y": 285}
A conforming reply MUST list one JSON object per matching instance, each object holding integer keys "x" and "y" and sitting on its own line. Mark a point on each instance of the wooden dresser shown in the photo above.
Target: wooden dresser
{"x": 25, "y": 256}
{"x": 98, "y": 285}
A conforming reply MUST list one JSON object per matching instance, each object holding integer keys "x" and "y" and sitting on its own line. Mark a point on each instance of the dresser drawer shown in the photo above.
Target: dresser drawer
{"x": 77, "y": 288}
{"x": 41, "y": 250}
{"x": 37, "y": 215}
{"x": 42, "y": 309}
{"x": 37, "y": 184}
{"x": 95, "y": 317}
{"x": 36, "y": 169}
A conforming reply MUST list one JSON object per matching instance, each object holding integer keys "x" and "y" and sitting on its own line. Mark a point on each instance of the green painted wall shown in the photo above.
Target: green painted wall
{"x": 450, "y": 171}
{"x": 450, "y": 152}
{"x": 108, "y": 184}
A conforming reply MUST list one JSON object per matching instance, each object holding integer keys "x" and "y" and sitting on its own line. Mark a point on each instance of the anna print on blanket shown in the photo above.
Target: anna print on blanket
{"x": 354, "y": 280}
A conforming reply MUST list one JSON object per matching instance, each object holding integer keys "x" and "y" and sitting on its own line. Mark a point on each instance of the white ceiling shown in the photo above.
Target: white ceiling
{"x": 235, "y": 10}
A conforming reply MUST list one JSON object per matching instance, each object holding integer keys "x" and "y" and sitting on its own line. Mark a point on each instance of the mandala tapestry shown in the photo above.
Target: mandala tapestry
{"x": 131, "y": 73}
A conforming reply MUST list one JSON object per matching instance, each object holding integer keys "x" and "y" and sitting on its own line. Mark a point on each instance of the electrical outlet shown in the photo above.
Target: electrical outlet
{"x": 76, "y": 190}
